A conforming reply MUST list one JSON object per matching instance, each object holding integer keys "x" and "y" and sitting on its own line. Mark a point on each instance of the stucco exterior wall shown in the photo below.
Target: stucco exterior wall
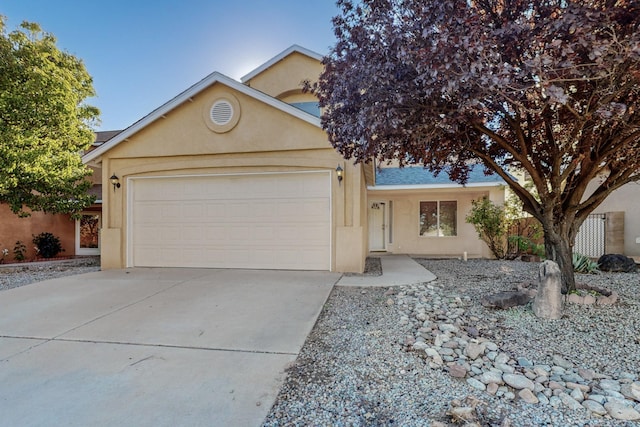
{"x": 405, "y": 223}
{"x": 14, "y": 228}
{"x": 286, "y": 75}
{"x": 265, "y": 139}
{"x": 625, "y": 199}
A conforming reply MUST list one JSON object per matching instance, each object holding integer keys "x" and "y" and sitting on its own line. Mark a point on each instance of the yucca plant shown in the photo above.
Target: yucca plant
{"x": 584, "y": 264}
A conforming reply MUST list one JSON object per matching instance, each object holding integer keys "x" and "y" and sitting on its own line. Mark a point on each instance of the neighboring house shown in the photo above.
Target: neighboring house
{"x": 77, "y": 237}
{"x": 235, "y": 174}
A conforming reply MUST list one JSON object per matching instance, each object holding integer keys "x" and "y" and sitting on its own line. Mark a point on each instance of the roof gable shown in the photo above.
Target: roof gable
{"x": 188, "y": 94}
{"x": 279, "y": 57}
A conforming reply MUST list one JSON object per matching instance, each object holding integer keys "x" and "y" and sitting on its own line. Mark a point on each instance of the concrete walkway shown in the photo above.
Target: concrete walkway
{"x": 153, "y": 347}
{"x": 396, "y": 270}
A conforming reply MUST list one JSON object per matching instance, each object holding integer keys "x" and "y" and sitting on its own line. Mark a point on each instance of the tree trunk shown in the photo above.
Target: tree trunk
{"x": 558, "y": 248}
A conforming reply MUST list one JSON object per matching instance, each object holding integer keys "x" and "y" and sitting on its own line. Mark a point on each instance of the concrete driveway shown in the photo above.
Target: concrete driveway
{"x": 153, "y": 347}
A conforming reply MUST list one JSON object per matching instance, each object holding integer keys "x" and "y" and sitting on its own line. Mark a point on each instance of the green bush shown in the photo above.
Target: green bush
{"x": 526, "y": 245}
{"x": 584, "y": 264}
{"x": 491, "y": 224}
{"x": 19, "y": 251}
{"x": 47, "y": 245}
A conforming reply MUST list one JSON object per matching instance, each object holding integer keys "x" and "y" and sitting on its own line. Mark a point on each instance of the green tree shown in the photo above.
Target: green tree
{"x": 491, "y": 223}
{"x": 45, "y": 123}
{"x": 546, "y": 87}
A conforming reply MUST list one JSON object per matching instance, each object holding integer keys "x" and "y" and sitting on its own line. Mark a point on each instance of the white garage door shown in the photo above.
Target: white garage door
{"x": 266, "y": 221}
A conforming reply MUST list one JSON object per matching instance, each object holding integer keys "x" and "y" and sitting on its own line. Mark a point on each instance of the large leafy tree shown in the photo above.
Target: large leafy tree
{"x": 548, "y": 87}
{"x": 44, "y": 123}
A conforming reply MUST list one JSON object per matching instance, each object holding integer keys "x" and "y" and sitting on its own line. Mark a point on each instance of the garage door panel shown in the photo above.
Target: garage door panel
{"x": 247, "y": 221}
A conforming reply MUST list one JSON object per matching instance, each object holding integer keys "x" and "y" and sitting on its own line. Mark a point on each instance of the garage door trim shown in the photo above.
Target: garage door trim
{"x": 131, "y": 194}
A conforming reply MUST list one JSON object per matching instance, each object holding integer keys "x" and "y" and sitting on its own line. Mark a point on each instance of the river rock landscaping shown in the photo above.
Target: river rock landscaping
{"x": 432, "y": 354}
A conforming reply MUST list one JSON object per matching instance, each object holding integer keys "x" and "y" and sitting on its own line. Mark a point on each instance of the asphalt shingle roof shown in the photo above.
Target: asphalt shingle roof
{"x": 417, "y": 175}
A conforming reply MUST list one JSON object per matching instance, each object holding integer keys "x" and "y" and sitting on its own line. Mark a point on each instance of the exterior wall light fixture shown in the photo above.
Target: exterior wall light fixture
{"x": 339, "y": 174}
{"x": 114, "y": 181}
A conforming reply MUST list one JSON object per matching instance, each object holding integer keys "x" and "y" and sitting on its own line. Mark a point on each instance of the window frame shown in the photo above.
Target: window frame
{"x": 438, "y": 229}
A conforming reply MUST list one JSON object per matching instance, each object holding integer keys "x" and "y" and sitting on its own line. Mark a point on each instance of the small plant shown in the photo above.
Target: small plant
{"x": 584, "y": 264}
{"x": 526, "y": 245}
{"x": 5, "y": 252}
{"x": 19, "y": 251}
{"x": 47, "y": 245}
{"x": 491, "y": 224}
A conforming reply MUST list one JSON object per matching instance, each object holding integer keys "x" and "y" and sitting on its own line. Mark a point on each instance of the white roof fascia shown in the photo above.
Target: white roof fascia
{"x": 279, "y": 57}
{"x": 190, "y": 93}
{"x": 434, "y": 186}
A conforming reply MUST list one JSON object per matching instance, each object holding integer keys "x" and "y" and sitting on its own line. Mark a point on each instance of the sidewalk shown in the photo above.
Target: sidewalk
{"x": 396, "y": 270}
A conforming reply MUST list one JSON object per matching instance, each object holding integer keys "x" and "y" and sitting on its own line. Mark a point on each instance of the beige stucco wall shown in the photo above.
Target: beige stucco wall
{"x": 286, "y": 76}
{"x": 405, "y": 226}
{"x": 265, "y": 139}
{"x": 625, "y": 199}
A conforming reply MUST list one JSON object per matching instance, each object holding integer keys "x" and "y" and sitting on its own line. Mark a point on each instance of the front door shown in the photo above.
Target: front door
{"x": 88, "y": 234}
{"x": 377, "y": 240}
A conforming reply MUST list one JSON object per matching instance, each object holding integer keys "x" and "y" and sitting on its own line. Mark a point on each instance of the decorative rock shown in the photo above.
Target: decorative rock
{"x": 457, "y": 371}
{"x": 507, "y": 369}
{"x": 587, "y": 374}
{"x": 420, "y": 346}
{"x": 598, "y": 398}
{"x": 524, "y": 362}
{"x": 489, "y": 377}
{"x": 542, "y": 398}
{"x": 476, "y": 384}
{"x": 492, "y": 388}
{"x": 594, "y": 407}
{"x": 434, "y": 356}
{"x": 491, "y": 346}
{"x": 509, "y": 395}
{"x": 582, "y": 387}
{"x": 570, "y": 402}
{"x": 562, "y": 362}
{"x": 576, "y": 393}
{"x": 617, "y": 263}
{"x": 474, "y": 350}
{"x": 502, "y": 358}
{"x": 631, "y": 391}
{"x": 518, "y": 381}
{"x": 528, "y": 396}
{"x": 548, "y": 302}
{"x": 507, "y": 299}
{"x": 553, "y": 385}
{"x": 607, "y": 384}
{"x": 620, "y": 411}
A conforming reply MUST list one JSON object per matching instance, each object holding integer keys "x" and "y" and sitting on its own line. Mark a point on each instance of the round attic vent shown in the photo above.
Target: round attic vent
{"x": 221, "y": 112}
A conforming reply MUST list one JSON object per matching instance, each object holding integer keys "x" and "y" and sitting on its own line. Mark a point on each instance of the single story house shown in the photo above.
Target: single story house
{"x": 240, "y": 174}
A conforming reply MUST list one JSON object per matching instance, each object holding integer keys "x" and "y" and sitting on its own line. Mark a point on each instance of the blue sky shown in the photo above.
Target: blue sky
{"x": 143, "y": 53}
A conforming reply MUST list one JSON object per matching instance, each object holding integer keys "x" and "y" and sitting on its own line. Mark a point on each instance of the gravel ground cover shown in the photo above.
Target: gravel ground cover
{"x": 15, "y": 275}
{"x": 361, "y": 365}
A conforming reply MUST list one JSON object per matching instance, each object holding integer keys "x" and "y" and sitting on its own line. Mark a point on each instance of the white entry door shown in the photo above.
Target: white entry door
{"x": 377, "y": 227}
{"x": 261, "y": 221}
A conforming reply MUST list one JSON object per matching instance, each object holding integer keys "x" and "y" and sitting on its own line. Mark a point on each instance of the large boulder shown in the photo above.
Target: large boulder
{"x": 617, "y": 263}
{"x": 506, "y": 299}
{"x": 548, "y": 302}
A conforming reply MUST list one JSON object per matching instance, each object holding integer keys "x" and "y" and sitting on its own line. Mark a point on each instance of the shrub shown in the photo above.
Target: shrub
{"x": 526, "y": 245}
{"x": 19, "y": 251}
{"x": 584, "y": 264}
{"x": 47, "y": 245}
{"x": 491, "y": 224}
